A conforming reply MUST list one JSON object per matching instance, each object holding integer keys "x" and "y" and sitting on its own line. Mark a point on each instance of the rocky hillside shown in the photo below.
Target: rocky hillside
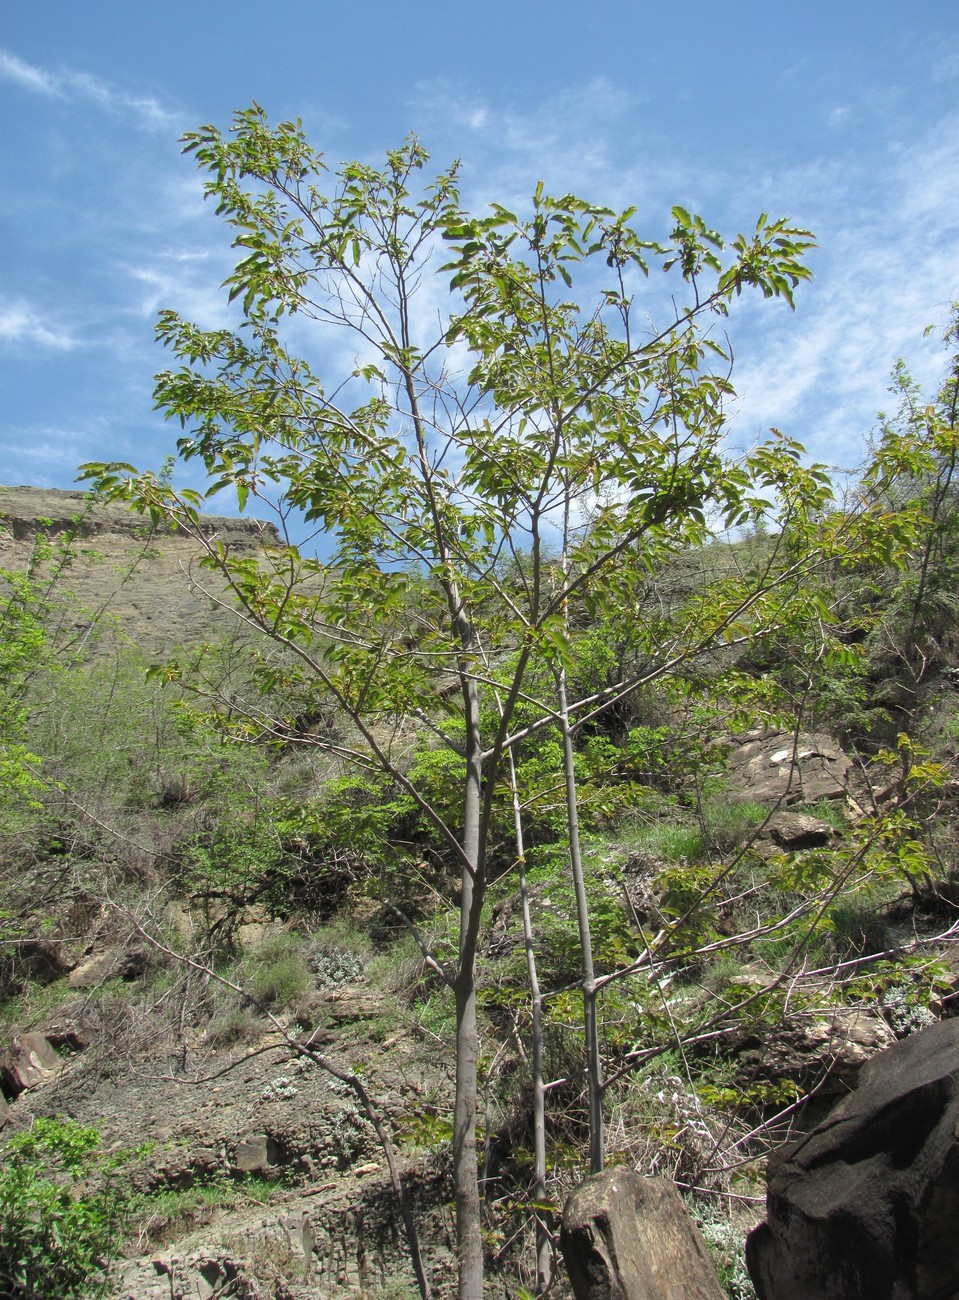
{"x": 228, "y": 959}
{"x": 145, "y": 577}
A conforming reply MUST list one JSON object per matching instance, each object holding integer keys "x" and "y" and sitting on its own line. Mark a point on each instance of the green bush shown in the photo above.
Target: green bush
{"x": 277, "y": 974}
{"x": 61, "y": 1213}
{"x": 728, "y": 823}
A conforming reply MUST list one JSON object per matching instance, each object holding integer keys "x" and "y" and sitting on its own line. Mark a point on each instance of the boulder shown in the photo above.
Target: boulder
{"x": 866, "y": 1207}
{"x": 257, "y": 1153}
{"x": 124, "y": 964}
{"x": 66, "y": 1035}
{"x": 777, "y": 767}
{"x": 27, "y": 1062}
{"x": 794, "y": 831}
{"x": 625, "y": 1237}
{"x": 4, "y": 1110}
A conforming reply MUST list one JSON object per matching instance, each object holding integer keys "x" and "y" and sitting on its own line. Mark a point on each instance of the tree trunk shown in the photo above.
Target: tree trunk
{"x": 543, "y": 1252}
{"x": 469, "y": 1234}
{"x": 597, "y": 1144}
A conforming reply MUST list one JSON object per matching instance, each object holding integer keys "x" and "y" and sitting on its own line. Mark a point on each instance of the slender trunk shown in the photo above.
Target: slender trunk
{"x": 469, "y": 1235}
{"x": 543, "y": 1252}
{"x": 594, "y": 1072}
{"x": 593, "y": 1063}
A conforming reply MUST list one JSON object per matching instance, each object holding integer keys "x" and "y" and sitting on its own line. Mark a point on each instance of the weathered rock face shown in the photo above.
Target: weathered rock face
{"x": 867, "y": 1206}
{"x": 625, "y": 1237}
{"x": 124, "y": 964}
{"x": 26, "y": 1063}
{"x": 140, "y": 571}
{"x": 776, "y": 766}
{"x": 827, "y": 1051}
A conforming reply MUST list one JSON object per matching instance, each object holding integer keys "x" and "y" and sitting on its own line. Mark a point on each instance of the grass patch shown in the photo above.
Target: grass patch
{"x": 728, "y": 823}
{"x": 831, "y": 811}
{"x": 159, "y": 1216}
{"x": 673, "y": 842}
{"x": 277, "y": 973}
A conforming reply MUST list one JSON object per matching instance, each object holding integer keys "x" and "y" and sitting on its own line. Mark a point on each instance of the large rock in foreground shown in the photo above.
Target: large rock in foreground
{"x": 867, "y": 1206}
{"x": 630, "y": 1238}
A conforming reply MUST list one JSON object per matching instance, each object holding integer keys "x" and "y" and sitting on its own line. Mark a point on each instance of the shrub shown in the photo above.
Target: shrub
{"x": 277, "y": 973}
{"x": 61, "y": 1213}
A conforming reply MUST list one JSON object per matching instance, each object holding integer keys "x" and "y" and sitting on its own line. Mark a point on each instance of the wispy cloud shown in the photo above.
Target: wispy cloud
{"x": 45, "y": 455}
{"x": 27, "y": 76}
{"x": 21, "y": 323}
{"x": 884, "y": 272}
{"x": 73, "y": 86}
{"x": 187, "y": 280}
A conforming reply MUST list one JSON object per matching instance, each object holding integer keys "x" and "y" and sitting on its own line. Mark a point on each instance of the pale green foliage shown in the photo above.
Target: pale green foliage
{"x": 61, "y": 1213}
{"x": 277, "y": 972}
{"x": 450, "y": 448}
{"x": 23, "y": 650}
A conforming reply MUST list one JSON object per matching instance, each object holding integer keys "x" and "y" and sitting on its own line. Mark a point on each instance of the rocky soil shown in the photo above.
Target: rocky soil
{"x": 320, "y": 1219}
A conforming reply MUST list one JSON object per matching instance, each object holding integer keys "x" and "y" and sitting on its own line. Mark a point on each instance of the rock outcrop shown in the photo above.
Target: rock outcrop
{"x": 146, "y": 576}
{"x": 779, "y": 767}
{"x": 625, "y": 1237}
{"x": 866, "y": 1207}
{"x": 29, "y": 1061}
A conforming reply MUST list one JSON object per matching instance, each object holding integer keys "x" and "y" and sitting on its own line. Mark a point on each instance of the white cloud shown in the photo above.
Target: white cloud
{"x": 27, "y": 76}
{"x": 70, "y": 85}
{"x": 186, "y": 282}
{"x": 47, "y": 450}
{"x": 885, "y": 270}
{"x": 21, "y": 323}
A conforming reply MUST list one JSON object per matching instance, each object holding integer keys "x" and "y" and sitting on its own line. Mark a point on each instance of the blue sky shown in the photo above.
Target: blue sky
{"x": 844, "y": 116}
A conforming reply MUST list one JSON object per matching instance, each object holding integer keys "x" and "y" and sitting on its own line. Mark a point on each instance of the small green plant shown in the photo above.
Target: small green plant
{"x": 673, "y": 841}
{"x": 724, "y": 1241}
{"x": 277, "y": 974}
{"x": 858, "y": 926}
{"x": 61, "y": 1213}
{"x": 831, "y": 811}
{"x": 728, "y": 824}
{"x": 235, "y": 1026}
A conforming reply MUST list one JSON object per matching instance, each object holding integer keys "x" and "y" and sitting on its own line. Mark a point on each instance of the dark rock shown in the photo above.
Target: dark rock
{"x": 44, "y": 960}
{"x": 256, "y": 1154}
{"x": 65, "y": 1035}
{"x": 4, "y": 1110}
{"x": 866, "y": 1207}
{"x": 27, "y": 1062}
{"x": 625, "y": 1237}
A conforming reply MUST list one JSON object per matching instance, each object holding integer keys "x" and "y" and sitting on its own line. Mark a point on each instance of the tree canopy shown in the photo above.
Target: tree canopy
{"x": 496, "y": 441}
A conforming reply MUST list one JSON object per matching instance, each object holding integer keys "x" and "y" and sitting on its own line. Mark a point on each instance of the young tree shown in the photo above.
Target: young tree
{"x": 487, "y": 401}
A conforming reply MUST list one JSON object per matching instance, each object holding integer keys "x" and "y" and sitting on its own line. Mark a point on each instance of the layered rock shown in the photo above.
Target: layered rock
{"x": 866, "y": 1207}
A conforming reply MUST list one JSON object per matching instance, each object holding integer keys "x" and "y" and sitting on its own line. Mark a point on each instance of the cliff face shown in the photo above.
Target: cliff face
{"x": 23, "y": 510}
{"x": 146, "y": 579}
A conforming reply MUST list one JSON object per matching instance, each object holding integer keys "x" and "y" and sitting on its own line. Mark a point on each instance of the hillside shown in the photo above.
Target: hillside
{"x": 211, "y": 935}
{"x": 145, "y": 577}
